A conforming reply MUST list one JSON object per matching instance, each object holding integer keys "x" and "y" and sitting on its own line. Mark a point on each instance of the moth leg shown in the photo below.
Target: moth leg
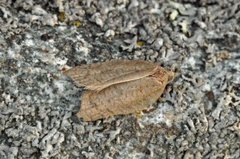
{"x": 138, "y": 114}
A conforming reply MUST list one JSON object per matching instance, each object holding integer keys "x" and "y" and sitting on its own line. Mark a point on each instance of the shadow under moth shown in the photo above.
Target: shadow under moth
{"x": 118, "y": 87}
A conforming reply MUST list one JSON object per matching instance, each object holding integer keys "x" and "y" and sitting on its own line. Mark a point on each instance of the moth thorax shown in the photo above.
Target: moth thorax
{"x": 161, "y": 75}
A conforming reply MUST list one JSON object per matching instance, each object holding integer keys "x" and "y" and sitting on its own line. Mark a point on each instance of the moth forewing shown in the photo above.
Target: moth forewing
{"x": 101, "y": 75}
{"x": 123, "y": 98}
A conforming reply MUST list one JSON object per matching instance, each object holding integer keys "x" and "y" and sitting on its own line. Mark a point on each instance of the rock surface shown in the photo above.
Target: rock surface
{"x": 198, "y": 116}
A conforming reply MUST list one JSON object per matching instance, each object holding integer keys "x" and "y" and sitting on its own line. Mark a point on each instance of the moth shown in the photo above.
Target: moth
{"x": 118, "y": 87}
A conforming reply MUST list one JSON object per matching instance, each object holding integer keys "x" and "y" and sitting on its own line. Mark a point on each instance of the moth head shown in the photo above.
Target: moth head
{"x": 171, "y": 76}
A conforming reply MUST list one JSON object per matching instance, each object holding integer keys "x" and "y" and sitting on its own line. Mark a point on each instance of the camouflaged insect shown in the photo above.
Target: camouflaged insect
{"x": 118, "y": 87}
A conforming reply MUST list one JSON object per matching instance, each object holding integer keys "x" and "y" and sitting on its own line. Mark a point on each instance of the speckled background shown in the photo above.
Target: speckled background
{"x": 197, "y": 117}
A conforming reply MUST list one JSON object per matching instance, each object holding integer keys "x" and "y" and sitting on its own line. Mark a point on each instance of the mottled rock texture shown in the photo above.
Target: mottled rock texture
{"x": 198, "y": 116}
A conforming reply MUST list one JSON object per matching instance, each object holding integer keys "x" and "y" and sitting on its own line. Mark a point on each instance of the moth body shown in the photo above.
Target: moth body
{"x": 119, "y": 87}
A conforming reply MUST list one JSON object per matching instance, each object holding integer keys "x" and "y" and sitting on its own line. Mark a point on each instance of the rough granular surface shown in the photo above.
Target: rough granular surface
{"x": 198, "y": 115}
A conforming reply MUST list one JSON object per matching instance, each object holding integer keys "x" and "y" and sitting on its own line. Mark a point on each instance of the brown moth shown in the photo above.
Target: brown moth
{"x": 118, "y": 87}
